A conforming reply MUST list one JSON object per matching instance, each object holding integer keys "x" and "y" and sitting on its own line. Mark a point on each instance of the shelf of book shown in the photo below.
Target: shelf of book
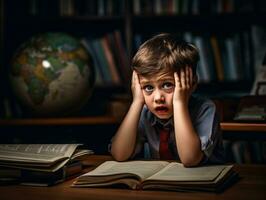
{"x": 244, "y": 142}
{"x": 95, "y": 120}
{"x": 234, "y": 21}
{"x": 232, "y": 28}
{"x": 71, "y": 24}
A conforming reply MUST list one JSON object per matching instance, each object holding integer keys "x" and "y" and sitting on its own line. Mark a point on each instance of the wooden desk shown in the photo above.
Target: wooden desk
{"x": 252, "y": 185}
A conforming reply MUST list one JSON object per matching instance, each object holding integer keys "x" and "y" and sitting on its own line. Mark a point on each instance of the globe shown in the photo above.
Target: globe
{"x": 52, "y": 75}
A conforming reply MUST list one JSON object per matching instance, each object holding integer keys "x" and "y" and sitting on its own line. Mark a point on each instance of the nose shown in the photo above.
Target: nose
{"x": 159, "y": 97}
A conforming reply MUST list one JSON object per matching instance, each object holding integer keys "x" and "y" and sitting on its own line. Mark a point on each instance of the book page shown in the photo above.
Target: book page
{"x": 143, "y": 169}
{"x": 81, "y": 152}
{"x": 45, "y": 153}
{"x": 40, "y": 157}
{"x": 177, "y": 172}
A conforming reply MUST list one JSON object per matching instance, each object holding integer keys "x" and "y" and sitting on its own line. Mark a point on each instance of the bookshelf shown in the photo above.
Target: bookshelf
{"x": 204, "y": 30}
{"x": 198, "y": 21}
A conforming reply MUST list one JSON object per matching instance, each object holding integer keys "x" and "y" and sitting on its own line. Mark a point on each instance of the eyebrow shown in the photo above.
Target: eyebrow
{"x": 144, "y": 82}
{"x": 166, "y": 79}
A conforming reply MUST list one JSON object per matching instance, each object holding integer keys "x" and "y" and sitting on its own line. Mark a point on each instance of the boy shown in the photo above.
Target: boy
{"x": 163, "y": 114}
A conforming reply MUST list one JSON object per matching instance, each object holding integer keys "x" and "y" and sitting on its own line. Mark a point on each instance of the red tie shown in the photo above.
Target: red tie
{"x": 164, "y": 151}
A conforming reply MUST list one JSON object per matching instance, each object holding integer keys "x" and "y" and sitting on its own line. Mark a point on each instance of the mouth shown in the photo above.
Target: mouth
{"x": 161, "y": 109}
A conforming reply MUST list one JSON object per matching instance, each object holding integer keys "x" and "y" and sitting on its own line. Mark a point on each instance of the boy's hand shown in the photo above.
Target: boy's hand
{"x": 136, "y": 88}
{"x": 184, "y": 85}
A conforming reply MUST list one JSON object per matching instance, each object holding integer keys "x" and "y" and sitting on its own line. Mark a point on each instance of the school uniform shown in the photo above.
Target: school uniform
{"x": 205, "y": 121}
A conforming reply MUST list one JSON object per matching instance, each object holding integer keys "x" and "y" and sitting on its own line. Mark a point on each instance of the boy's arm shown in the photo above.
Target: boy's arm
{"x": 187, "y": 141}
{"x": 124, "y": 140}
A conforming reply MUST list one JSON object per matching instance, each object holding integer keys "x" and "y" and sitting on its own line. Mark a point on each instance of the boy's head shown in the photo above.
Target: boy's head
{"x": 155, "y": 63}
{"x": 165, "y": 53}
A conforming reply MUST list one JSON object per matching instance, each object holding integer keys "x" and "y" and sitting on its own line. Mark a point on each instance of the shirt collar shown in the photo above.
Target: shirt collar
{"x": 156, "y": 121}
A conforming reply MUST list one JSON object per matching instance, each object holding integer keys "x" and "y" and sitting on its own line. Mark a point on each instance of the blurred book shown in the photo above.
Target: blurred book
{"x": 259, "y": 85}
{"x": 40, "y": 164}
{"x": 251, "y": 108}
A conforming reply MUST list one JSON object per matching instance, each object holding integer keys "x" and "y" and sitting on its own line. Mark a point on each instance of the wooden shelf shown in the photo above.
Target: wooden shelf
{"x": 199, "y": 23}
{"x": 232, "y": 126}
{"x": 98, "y": 120}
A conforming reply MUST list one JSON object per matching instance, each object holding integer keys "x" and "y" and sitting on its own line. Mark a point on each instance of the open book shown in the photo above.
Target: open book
{"x": 40, "y": 164}
{"x": 157, "y": 175}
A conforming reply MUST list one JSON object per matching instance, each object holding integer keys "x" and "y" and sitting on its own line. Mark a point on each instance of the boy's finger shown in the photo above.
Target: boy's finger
{"x": 133, "y": 77}
{"x": 177, "y": 80}
{"x": 183, "y": 78}
{"x": 137, "y": 78}
{"x": 191, "y": 76}
{"x": 187, "y": 77}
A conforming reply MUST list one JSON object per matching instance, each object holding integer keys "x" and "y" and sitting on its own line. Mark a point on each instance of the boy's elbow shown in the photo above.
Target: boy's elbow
{"x": 192, "y": 161}
{"x": 190, "y": 164}
{"x": 118, "y": 156}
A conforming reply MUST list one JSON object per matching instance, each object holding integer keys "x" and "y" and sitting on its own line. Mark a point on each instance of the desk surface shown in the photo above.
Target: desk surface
{"x": 252, "y": 185}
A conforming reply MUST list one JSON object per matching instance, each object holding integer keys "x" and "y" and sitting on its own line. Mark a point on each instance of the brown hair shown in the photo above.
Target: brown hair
{"x": 165, "y": 53}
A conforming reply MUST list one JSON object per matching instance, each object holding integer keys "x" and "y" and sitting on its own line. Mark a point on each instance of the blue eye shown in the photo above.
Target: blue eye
{"x": 148, "y": 88}
{"x": 167, "y": 85}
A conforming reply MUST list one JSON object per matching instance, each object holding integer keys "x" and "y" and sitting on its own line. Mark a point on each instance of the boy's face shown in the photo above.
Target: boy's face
{"x": 158, "y": 93}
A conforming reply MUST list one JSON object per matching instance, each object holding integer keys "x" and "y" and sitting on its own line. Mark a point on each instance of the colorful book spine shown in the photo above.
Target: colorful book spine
{"x": 99, "y": 80}
{"x": 217, "y": 58}
{"x": 110, "y": 59}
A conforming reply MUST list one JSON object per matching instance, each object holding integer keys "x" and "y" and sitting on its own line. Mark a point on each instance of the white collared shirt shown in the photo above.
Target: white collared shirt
{"x": 206, "y": 124}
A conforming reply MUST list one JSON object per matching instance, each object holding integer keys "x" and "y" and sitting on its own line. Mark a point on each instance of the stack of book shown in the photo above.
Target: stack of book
{"x": 251, "y": 109}
{"x": 40, "y": 164}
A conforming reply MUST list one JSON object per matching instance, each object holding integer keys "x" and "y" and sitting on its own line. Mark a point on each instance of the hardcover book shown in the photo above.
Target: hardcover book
{"x": 40, "y": 164}
{"x": 163, "y": 175}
